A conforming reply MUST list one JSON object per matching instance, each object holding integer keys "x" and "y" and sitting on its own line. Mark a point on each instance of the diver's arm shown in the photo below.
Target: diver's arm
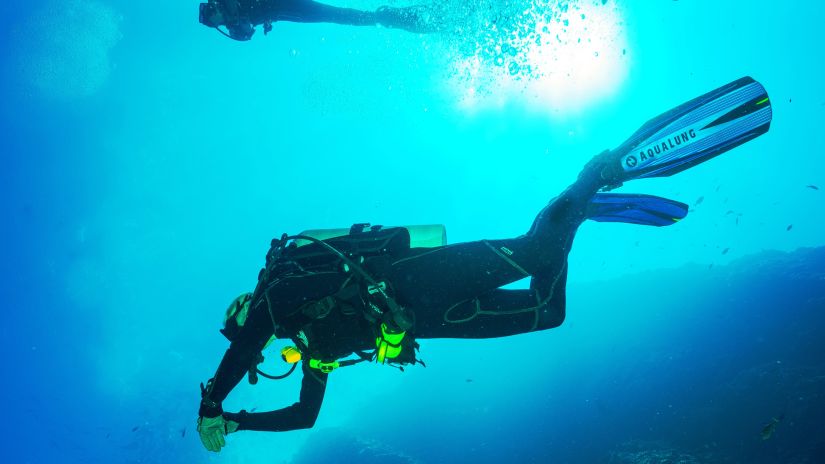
{"x": 300, "y": 415}
{"x": 237, "y": 360}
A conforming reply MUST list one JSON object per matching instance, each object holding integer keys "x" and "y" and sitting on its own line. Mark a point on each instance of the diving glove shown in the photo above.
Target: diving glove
{"x": 213, "y": 431}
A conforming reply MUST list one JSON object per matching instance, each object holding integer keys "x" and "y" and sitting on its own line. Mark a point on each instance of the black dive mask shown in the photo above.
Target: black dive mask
{"x": 217, "y": 13}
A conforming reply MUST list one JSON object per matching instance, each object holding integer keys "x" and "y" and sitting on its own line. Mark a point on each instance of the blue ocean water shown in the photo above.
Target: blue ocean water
{"x": 148, "y": 161}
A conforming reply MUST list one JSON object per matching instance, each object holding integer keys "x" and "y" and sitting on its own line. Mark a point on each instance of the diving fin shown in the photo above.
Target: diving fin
{"x": 631, "y": 208}
{"x": 692, "y": 133}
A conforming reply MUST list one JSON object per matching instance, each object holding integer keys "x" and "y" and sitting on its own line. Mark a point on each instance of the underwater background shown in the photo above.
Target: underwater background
{"x": 147, "y": 161}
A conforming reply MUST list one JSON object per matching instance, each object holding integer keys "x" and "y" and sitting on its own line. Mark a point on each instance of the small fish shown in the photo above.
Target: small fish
{"x": 730, "y": 211}
{"x": 725, "y": 251}
{"x": 699, "y": 201}
{"x": 737, "y": 221}
{"x": 253, "y": 409}
{"x": 789, "y": 227}
{"x": 769, "y": 428}
{"x": 718, "y": 187}
{"x": 183, "y": 432}
{"x": 711, "y": 266}
{"x": 135, "y": 428}
{"x": 812, "y": 187}
{"x": 469, "y": 380}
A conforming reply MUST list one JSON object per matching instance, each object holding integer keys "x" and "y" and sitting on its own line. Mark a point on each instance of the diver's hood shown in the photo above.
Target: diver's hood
{"x": 217, "y": 13}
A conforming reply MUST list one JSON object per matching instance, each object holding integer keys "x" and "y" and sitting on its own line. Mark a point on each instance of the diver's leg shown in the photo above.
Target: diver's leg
{"x": 412, "y": 18}
{"x": 308, "y": 11}
{"x": 421, "y": 19}
{"x": 499, "y": 313}
{"x": 440, "y": 284}
{"x": 466, "y": 270}
{"x": 453, "y": 291}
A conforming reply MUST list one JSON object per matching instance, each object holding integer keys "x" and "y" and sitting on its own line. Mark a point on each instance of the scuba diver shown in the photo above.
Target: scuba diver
{"x": 240, "y": 17}
{"x": 371, "y": 293}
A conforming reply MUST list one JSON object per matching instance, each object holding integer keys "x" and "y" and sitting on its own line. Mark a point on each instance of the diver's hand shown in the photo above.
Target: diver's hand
{"x": 212, "y": 431}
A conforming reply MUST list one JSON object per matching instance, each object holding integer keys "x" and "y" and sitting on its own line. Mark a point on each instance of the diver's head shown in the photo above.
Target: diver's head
{"x": 211, "y": 15}
{"x": 217, "y": 13}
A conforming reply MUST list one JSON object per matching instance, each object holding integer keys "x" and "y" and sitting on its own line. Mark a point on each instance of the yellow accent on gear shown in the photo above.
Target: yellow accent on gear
{"x": 291, "y": 354}
{"x": 388, "y": 344}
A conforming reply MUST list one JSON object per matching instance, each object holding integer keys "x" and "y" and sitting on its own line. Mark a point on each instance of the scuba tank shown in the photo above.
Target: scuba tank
{"x": 344, "y": 250}
{"x": 423, "y": 236}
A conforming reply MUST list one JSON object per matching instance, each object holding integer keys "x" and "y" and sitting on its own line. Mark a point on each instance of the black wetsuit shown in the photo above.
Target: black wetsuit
{"x": 453, "y": 291}
{"x": 241, "y": 17}
{"x": 304, "y": 11}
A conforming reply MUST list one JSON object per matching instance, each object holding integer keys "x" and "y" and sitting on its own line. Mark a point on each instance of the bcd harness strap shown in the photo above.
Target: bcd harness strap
{"x": 394, "y": 321}
{"x": 327, "y": 367}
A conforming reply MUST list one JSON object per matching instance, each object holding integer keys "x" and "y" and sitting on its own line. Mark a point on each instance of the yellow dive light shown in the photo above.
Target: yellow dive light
{"x": 291, "y": 354}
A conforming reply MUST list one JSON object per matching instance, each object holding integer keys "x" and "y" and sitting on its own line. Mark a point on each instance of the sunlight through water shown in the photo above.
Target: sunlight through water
{"x": 555, "y": 56}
